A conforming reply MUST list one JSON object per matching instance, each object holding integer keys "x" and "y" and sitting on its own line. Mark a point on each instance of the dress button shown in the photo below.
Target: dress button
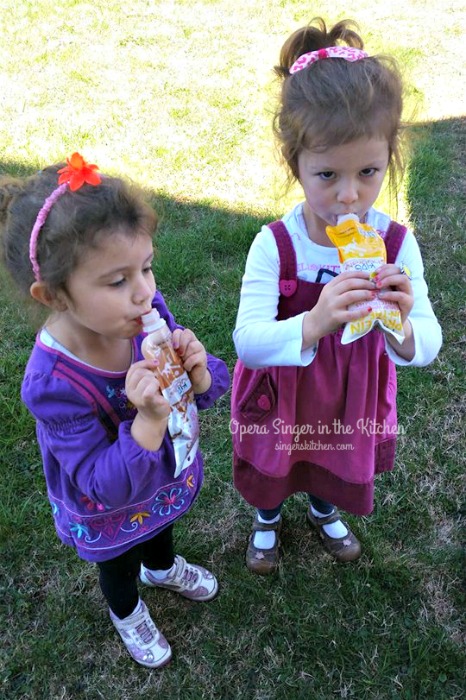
{"x": 288, "y": 287}
{"x": 263, "y": 402}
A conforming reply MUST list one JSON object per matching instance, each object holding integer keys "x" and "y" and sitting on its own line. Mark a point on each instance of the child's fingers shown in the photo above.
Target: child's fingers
{"x": 191, "y": 350}
{"x": 182, "y": 339}
{"x": 141, "y": 372}
{"x": 146, "y": 385}
{"x": 348, "y": 281}
{"x": 355, "y": 314}
{"x": 348, "y": 290}
{"x": 356, "y": 274}
{"x": 404, "y": 300}
{"x": 176, "y": 334}
{"x": 195, "y": 359}
{"x": 142, "y": 365}
{"x": 393, "y": 276}
{"x": 147, "y": 395}
{"x": 155, "y": 401}
{"x": 356, "y": 297}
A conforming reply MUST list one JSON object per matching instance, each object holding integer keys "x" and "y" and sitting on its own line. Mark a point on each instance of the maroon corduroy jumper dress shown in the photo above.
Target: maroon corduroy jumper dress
{"x": 324, "y": 429}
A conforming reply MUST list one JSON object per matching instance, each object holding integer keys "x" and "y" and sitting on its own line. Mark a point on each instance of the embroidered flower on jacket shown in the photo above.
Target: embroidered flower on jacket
{"x": 90, "y": 505}
{"x": 79, "y": 529}
{"x": 119, "y": 393}
{"x": 168, "y": 500}
{"x": 139, "y": 517}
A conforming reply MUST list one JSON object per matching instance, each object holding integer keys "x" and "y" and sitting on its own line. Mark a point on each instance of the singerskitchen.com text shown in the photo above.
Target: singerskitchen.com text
{"x": 315, "y": 445}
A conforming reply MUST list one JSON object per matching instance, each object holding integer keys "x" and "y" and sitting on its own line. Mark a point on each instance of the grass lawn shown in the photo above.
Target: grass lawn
{"x": 178, "y": 95}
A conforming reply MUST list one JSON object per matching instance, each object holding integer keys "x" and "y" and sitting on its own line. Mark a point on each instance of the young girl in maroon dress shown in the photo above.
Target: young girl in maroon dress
{"x": 310, "y": 414}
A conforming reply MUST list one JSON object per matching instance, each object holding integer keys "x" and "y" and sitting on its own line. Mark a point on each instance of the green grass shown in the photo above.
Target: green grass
{"x": 178, "y": 96}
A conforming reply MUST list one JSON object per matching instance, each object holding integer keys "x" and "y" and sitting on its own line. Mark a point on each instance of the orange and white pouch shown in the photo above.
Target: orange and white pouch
{"x": 361, "y": 248}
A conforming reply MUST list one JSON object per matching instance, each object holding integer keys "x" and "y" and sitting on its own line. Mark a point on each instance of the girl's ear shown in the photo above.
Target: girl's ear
{"x": 41, "y": 293}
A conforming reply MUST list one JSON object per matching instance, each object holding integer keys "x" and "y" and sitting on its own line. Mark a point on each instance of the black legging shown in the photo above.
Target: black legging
{"x": 118, "y": 577}
{"x": 322, "y": 506}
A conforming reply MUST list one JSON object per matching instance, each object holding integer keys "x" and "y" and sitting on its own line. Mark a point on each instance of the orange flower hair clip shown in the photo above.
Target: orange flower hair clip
{"x": 77, "y": 172}
{"x": 72, "y": 176}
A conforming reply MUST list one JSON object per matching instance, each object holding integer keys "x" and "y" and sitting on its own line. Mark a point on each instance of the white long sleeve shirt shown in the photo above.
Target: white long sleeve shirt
{"x": 262, "y": 341}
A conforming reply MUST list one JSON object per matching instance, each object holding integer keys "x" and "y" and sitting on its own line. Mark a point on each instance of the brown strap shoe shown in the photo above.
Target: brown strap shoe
{"x": 263, "y": 561}
{"x": 347, "y": 548}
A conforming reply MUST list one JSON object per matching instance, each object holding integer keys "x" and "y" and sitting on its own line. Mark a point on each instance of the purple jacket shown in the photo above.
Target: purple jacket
{"x": 107, "y": 493}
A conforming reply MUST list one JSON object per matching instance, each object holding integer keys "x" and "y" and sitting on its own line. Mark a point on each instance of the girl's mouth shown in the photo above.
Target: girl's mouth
{"x": 139, "y": 320}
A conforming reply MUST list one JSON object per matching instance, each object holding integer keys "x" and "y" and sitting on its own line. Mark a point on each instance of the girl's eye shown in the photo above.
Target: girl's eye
{"x": 368, "y": 172}
{"x": 147, "y": 270}
{"x": 327, "y": 175}
{"x": 118, "y": 283}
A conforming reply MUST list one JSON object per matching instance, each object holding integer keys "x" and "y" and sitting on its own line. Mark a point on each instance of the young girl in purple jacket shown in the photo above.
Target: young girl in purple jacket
{"x": 81, "y": 244}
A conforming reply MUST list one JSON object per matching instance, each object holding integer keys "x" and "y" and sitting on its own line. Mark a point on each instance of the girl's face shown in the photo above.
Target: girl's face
{"x": 111, "y": 288}
{"x": 344, "y": 179}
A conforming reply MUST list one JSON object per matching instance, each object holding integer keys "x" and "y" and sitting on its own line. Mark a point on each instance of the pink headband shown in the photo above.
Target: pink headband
{"x": 72, "y": 176}
{"x": 346, "y": 52}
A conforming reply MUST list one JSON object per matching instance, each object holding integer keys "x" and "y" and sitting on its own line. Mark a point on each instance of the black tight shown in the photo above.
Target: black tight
{"x": 118, "y": 577}
{"x": 320, "y": 505}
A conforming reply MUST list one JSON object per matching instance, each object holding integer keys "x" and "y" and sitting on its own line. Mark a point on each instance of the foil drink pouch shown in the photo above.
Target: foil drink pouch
{"x": 175, "y": 385}
{"x": 361, "y": 248}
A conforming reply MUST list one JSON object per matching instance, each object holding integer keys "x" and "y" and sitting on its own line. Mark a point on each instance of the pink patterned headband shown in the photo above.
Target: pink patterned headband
{"x": 346, "y": 52}
{"x": 72, "y": 176}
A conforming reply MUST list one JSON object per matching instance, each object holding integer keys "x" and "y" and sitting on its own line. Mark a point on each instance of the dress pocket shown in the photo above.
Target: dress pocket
{"x": 260, "y": 398}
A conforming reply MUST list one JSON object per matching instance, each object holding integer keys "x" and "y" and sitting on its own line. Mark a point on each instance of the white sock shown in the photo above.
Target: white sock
{"x": 335, "y": 530}
{"x": 265, "y": 539}
{"x": 160, "y": 574}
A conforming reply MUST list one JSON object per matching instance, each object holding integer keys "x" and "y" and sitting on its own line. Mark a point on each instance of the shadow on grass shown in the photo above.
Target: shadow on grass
{"x": 386, "y": 627}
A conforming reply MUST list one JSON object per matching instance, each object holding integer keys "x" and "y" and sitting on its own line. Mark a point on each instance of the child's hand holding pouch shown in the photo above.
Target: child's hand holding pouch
{"x": 361, "y": 248}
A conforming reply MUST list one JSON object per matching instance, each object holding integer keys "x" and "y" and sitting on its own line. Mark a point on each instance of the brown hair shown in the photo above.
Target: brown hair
{"x": 75, "y": 223}
{"x": 333, "y": 101}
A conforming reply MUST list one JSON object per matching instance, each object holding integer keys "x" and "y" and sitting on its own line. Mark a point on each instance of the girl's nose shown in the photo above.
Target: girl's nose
{"x": 348, "y": 193}
{"x": 143, "y": 291}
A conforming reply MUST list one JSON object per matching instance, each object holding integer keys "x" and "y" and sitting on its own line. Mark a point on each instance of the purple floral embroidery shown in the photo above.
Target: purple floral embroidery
{"x": 90, "y": 505}
{"x": 120, "y": 395}
{"x": 79, "y": 529}
{"x": 139, "y": 517}
{"x": 168, "y": 500}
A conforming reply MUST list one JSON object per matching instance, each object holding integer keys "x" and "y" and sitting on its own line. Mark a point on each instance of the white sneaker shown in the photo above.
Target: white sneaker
{"x": 191, "y": 581}
{"x": 141, "y": 637}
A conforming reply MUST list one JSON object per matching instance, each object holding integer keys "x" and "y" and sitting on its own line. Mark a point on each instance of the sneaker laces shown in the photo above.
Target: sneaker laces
{"x": 189, "y": 576}
{"x": 145, "y": 632}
